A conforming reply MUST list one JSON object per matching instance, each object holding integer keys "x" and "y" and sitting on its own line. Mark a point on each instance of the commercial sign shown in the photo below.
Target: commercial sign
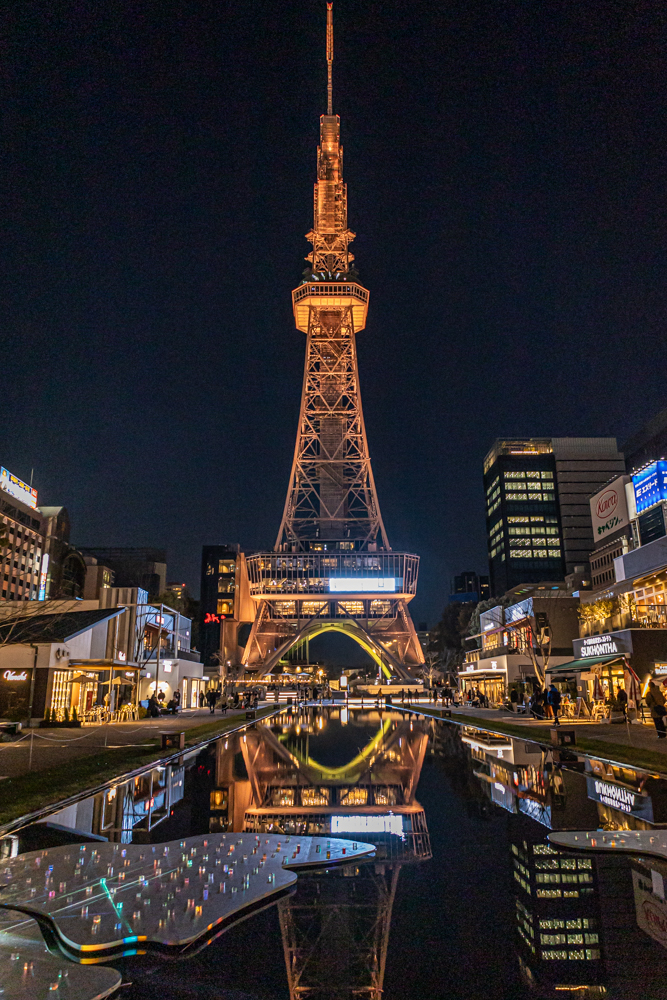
{"x": 516, "y": 612}
{"x": 650, "y": 485}
{"x": 619, "y": 797}
{"x": 651, "y": 909}
{"x": 660, "y": 669}
{"x": 609, "y": 509}
{"x": 42, "y": 577}
{"x": 366, "y": 585}
{"x": 612, "y": 644}
{"x": 15, "y": 675}
{"x": 12, "y": 485}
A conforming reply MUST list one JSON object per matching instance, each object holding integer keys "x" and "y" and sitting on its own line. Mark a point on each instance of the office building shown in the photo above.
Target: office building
{"x": 537, "y": 502}
{"x": 22, "y": 551}
{"x": 226, "y": 610}
{"x": 648, "y": 445}
{"x": 469, "y": 587}
{"x": 133, "y": 567}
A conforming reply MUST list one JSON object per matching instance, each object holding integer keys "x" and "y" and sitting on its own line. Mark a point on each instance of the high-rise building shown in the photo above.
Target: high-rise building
{"x": 469, "y": 587}
{"x": 538, "y": 516}
{"x": 22, "y": 546}
{"x": 648, "y": 445}
{"x": 225, "y": 607}
{"x": 133, "y": 567}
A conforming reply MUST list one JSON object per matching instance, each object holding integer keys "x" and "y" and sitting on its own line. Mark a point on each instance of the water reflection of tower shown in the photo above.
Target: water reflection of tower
{"x": 336, "y": 927}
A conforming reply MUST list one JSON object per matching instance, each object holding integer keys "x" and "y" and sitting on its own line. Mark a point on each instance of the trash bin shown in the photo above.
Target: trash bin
{"x": 563, "y": 737}
{"x": 173, "y": 741}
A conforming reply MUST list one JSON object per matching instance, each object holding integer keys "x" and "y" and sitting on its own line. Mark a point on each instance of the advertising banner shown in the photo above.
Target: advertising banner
{"x": 651, "y": 909}
{"x": 650, "y": 485}
{"x": 609, "y": 509}
{"x": 21, "y": 491}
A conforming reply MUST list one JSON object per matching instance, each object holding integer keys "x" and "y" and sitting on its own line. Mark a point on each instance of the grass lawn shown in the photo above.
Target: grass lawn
{"x": 32, "y": 791}
{"x": 652, "y": 760}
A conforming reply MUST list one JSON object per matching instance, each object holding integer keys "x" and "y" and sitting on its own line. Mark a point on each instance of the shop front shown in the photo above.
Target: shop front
{"x": 492, "y": 683}
{"x": 15, "y": 693}
{"x": 178, "y": 675}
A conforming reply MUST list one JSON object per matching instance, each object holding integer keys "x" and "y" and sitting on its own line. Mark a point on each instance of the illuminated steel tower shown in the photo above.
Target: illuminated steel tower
{"x": 332, "y": 567}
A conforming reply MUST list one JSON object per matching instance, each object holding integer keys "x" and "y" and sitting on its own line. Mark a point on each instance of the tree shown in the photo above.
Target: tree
{"x": 448, "y": 639}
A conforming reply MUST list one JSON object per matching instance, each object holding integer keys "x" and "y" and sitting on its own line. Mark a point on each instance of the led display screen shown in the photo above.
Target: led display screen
{"x": 367, "y": 824}
{"x": 359, "y": 584}
{"x": 650, "y": 485}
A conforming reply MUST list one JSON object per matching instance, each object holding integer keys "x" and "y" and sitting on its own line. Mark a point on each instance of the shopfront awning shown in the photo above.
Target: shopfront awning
{"x": 581, "y": 666}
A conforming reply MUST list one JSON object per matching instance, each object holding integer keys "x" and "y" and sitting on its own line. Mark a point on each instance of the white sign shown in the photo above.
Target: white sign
{"x": 42, "y": 577}
{"x": 367, "y": 824}
{"x": 609, "y": 509}
{"x": 15, "y": 675}
{"x": 21, "y": 491}
{"x": 360, "y": 584}
{"x": 660, "y": 669}
{"x": 602, "y": 645}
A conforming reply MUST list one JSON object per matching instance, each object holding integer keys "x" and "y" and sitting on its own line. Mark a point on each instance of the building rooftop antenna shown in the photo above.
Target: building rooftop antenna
{"x": 330, "y": 59}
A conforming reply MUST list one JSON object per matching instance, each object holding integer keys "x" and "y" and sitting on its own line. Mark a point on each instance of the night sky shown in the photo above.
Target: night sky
{"x": 506, "y": 178}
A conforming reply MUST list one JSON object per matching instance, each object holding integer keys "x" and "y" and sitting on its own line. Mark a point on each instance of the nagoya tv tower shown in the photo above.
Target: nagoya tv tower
{"x": 332, "y": 568}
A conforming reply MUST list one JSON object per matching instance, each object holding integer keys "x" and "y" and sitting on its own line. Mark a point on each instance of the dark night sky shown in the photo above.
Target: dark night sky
{"x": 506, "y": 173}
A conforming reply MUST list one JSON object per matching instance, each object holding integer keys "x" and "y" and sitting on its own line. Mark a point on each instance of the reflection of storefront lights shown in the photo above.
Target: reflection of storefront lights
{"x": 344, "y": 716}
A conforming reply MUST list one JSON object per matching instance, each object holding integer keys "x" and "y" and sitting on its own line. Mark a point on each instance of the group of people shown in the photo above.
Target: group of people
{"x": 157, "y": 705}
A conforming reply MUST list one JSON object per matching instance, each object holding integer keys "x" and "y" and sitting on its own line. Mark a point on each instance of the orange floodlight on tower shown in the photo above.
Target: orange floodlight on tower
{"x": 332, "y": 540}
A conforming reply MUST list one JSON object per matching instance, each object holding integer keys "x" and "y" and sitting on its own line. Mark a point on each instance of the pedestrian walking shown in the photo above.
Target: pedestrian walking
{"x": 622, "y": 699}
{"x": 655, "y": 700}
{"x": 553, "y": 698}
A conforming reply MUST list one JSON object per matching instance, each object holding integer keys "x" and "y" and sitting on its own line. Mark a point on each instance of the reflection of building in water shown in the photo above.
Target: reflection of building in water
{"x": 373, "y": 795}
{"x": 557, "y": 916}
{"x": 130, "y": 811}
{"x": 335, "y": 927}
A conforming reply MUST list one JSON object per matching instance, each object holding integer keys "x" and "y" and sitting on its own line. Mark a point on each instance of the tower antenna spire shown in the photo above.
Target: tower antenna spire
{"x": 330, "y": 59}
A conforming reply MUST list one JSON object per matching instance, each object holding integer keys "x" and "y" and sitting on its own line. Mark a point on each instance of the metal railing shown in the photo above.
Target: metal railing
{"x": 274, "y": 574}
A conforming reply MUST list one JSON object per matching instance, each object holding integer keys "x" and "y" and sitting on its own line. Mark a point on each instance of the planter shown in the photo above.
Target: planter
{"x": 60, "y": 725}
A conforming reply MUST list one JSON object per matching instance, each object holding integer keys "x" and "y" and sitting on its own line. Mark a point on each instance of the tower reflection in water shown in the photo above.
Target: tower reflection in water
{"x": 291, "y": 779}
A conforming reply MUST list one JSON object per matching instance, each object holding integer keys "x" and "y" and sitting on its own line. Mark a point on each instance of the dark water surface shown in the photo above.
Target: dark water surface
{"x": 466, "y": 897}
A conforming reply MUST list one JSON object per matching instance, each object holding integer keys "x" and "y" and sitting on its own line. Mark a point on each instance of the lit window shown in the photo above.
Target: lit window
{"x": 514, "y": 475}
{"x": 517, "y": 496}
{"x": 532, "y": 475}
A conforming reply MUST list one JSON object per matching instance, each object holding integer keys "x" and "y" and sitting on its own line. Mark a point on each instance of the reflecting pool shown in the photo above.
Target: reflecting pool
{"x": 465, "y": 898}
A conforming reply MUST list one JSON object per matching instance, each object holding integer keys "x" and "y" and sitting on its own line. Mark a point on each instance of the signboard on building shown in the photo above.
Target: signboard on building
{"x": 517, "y": 612}
{"x": 609, "y": 509}
{"x": 607, "y": 793}
{"x": 21, "y": 491}
{"x": 650, "y": 908}
{"x": 611, "y": 644}
{"x": 650, "y": 485}
{"x": 367, "y": 585}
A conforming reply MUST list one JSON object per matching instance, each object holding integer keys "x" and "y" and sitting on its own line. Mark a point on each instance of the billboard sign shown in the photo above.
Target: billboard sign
{"x": 611, "y": 644}
{"x": 650, "y": 485}
{"x": 650, "y": 908}
{"x": 609, "y": 509}
{"x": 361, "y": 584}
{"x": 19, "y": 490}
{"x": 607, "y": 793}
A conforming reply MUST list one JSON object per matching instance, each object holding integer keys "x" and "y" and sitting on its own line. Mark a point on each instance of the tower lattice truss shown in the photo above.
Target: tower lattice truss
{"x": 331, "y": 493}
{"x": 332, "y": 567}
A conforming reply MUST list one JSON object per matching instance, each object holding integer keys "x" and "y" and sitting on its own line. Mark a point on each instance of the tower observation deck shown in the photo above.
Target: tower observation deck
{"x": 332, "y": 568}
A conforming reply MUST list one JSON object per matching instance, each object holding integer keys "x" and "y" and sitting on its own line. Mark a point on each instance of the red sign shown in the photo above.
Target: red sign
{"x": 655, "y": 918}
{"x": 607, "y": 504}
{"x": 209, "y": 618}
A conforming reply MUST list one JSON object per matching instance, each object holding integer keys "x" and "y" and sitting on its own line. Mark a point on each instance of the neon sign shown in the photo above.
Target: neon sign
{"x": 209, "y": 618}
{"x": 15, "y": 675}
